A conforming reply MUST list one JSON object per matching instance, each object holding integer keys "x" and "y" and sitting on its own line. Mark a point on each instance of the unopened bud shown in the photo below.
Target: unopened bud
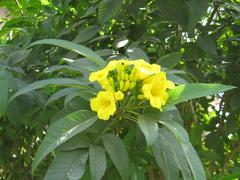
{"x": 121, "y": 85}
{"x": 126, "y": 86}
{"x": 132, "y": 85}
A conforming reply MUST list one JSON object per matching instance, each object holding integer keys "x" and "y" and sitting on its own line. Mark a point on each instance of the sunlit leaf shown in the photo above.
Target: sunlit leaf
{"x": 62, "y": 130}
{"x": 91, "y": 55}
{"x": 187, "y": 92}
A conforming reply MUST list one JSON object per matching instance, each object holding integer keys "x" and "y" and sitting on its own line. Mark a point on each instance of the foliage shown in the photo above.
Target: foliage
{"x": 45, "y": 91}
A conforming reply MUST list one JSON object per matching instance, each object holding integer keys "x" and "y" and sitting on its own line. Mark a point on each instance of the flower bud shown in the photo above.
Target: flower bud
{"x": 121, "y": 85}
{"x": 126, "y": 77}
{"x": 126, "y": 86}
{"x": 132, "y": 85}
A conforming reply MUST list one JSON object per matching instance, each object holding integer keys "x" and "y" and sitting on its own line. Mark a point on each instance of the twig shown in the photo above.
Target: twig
{"x": 150, "y": 173}
{"x": 17, "y": 2}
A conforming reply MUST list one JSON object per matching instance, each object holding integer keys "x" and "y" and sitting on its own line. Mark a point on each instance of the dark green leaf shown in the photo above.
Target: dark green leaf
{"x": 59, "y": 94}
{"x": 169, "y": 156}
{"x": 189, "y": 152}
{"x": 3, "y": 96}
{"x": 137, "y": 53}
{"x": 175, "y": 10}
{"x": 67, "y": 165}
{"x": 118, "y": 153}
{"x": 207, "y": 44}
{"x": 62, "y": 130}
{"x": 170, "y": 60}
{"x": 54, "y": 81}
{"x": 86, "y": 34}
{"x": 78, "y": 141}
{"x": 197, "y": 8}
{"x": 108, "y": 8}
{"x": 149, "y": 129}
{"x": 97, "y": 160}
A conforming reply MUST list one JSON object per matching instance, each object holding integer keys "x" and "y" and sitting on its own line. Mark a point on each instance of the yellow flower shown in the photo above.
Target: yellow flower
{"x": 104, "y": 104}
{"x": 102, "y": 74}
{"x": 155, "y": 90}
{"x": 145, "y": 69}
{"x": 126, "y": 86}
{"x": 119, "y": 95}
{"x": 146, "y": 81}
{"x": 105, "y": 84}
{"x": 98, "y": 75}
{"x": 155, "y": 95}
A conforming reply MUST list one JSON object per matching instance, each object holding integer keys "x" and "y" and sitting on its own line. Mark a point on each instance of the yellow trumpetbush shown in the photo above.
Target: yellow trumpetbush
{"x": 104, "y": 104}
{"x": 139, "y": 79}
{"x": 102, "y": 74}
{"x": 145, "y": 69}
{"x": 155, "y": 94}
{"x": 98, "y": 75}
{"x": 155, "y": 89}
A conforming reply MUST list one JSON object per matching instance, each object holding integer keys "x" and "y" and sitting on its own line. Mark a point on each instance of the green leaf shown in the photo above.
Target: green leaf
{"x": 233, "y": 176}
{"x": 118, "y": 153}
{"x": 175, "y": 10}
{"x": 3, "y": 96}
{"x": 17, "y": 56}
{"x": 207, "y": 44}
{"x": 196, "y": 134}
{"x": 137, "y": 53}
{"x": 62, "y": 130}
{"x": 187, "y": 92}
{"x": 86, "y": 34}
{"x": 82, "y": 50}
{"x": 76, "y": 142}
{"x": 64, "y": 67}
{"x": 169, "y": 112}
{"x": 197, "y": 8}
{"x": 191, "y": 155}
{"x": 67, "y": 165}
{"x": 108, "y": 8}
{"x": 97, "y": 160}
{"x": 54, "y": 82}
{"x": 59, "y": 94}
{"x": 234, "y": 102}
{"x": 149, "y": 129}
{"x": 169, "y": 156}
{"x": 86, "y": 95}
{"x": 176, "y": 79}
{"x": 136, "y": 172}
{"x": 170, "y": 60}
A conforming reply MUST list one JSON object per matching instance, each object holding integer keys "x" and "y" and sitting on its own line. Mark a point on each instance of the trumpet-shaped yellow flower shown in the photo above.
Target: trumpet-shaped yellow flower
{"x": 104, "y": 104}
{"x": 98, "y": 75}
{"x": 157, "y": 96}
{"x": 154, "y": 89}
{"x": 102, "y": 74}
{"x": 145, "y": 69}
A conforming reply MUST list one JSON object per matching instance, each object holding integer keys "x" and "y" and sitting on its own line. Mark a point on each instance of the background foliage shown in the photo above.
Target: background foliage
{"x": 198, "y": 40}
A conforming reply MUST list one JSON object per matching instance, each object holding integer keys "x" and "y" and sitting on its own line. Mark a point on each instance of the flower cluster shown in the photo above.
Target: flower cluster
{"x": 121, "y": 78}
